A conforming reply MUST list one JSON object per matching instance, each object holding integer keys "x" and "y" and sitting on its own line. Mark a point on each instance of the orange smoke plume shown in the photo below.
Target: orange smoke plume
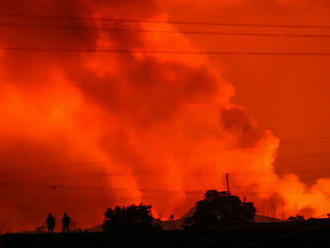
{"x": 81, "y": 131}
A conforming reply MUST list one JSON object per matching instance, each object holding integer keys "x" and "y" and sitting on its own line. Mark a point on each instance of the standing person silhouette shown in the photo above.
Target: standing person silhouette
{"x": 50, "y": 223}
{"x": 66, "y": 223}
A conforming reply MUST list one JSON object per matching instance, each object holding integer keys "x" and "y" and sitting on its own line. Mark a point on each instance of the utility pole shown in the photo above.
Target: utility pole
{"x": 227, "y": 183}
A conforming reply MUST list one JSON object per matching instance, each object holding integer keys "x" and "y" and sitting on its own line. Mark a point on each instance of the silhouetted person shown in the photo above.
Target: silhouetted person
{"x": 50, "y": 223}
{"x": 172, "y": 221}
{"x": 66, "y": 223}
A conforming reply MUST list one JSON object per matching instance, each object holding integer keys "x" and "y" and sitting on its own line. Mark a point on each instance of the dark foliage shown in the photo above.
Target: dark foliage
{"x": 129, "y": 218}
{"x": 220, "y": 208}
{"x": 295, "y": 220}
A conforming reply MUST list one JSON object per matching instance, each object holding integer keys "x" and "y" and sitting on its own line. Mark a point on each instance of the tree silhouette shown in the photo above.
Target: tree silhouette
{"x": 296, "y": 220}
{"x": 129, "y": 218}
{"x": 219, "y": 208}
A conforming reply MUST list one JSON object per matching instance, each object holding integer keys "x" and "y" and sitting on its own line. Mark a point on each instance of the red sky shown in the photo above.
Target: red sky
{"x": 112, "y": 129}
{"x": 288, "y": 95}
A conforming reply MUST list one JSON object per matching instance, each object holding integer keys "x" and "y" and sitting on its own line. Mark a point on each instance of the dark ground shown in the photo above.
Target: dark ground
{"x": 254, "y": 235}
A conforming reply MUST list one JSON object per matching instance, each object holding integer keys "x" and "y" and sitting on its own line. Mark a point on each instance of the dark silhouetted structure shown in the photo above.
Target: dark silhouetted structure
{"x": 129, "y": 218}
{"x": 50, "y": 221}
{"x": 297, "y": 219}
{"x": 66, "y": 221}
{"x": 220, "y": 208}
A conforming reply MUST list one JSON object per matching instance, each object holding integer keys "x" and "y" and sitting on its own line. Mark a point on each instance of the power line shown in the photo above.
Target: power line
{"x": 159, "y": 171}
{"x": 72, "y": 187}
{"x": 304, "y": 155}
{"x": 215, "y": 33}
{"x": 195, "y": 169}
{"x": 128, "y": 51}
{"x": 274, "y": 183}
{"x": 77, "y": 18}
{"x": 153, "y": 172}
{"x": 300, "y": 140}
{"x": 68, "y": 187}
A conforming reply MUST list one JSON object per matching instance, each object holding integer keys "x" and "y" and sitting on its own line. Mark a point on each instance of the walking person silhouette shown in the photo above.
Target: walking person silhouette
{"x": 50, "y": 221}
{"x": 66, "y": 223}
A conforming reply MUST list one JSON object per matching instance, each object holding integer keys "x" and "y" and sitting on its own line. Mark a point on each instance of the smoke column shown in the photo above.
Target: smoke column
{"x": 82, "y": 131}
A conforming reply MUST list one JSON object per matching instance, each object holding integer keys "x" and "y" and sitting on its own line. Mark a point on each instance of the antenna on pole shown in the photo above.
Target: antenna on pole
{"x": 227, "y": 183}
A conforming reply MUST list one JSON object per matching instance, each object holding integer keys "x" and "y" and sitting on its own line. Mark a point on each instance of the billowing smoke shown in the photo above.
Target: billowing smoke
{"x": 84, "y": 131}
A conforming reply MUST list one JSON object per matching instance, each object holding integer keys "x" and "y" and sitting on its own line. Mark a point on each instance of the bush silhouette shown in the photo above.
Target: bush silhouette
{"x": 296, "y": 220}
{"x": 129, "y": 218}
